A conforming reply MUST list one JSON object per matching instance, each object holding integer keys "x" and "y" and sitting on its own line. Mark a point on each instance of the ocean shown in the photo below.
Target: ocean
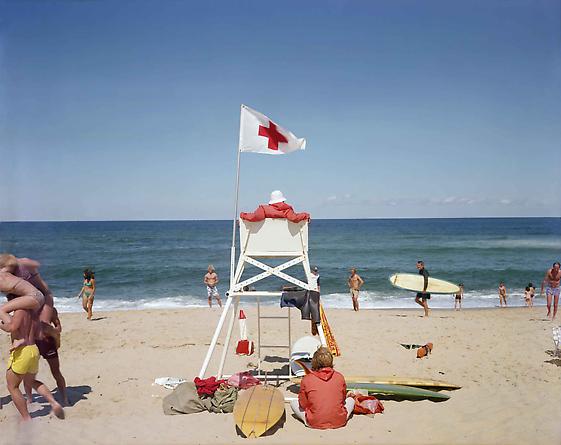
{"x": 161, "y": 264}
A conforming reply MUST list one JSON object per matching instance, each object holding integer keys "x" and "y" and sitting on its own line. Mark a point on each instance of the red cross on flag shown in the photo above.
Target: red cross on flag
{"x": 259, "y": 134}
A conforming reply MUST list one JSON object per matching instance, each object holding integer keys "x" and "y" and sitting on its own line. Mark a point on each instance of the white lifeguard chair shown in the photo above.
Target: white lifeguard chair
{"x": 267, "y": 239}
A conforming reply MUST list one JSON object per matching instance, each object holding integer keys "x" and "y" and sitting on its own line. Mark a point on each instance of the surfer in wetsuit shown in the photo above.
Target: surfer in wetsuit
{"x": 422, "y": 297}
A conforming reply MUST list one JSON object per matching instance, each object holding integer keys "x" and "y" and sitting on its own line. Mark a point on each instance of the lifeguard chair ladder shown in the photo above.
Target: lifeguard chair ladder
{"x": 267, "y": 239}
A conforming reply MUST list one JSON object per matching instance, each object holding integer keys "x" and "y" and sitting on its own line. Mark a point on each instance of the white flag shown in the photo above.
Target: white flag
{"x": 259, "y": 134}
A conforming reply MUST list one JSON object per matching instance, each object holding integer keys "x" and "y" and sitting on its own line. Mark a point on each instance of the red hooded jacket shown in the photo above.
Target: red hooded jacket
{"x": 278, "y": 210}
{"x": 322, "y": 396}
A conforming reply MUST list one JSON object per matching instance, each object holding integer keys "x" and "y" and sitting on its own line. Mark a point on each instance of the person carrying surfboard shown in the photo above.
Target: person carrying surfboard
{"x": 422, "y": 297}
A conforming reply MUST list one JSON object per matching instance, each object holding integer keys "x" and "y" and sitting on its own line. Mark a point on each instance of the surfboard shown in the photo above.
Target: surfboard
{"x": 380, "y": 380}
{"x": 407, "y": 392}
{"x": 258, "y": 409}
{"x": 404, "y": 381}
{"x": 415, "y": 283}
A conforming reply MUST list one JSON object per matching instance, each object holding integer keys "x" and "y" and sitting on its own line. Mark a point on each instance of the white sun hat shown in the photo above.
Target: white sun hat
{"x": 276, "y": 197}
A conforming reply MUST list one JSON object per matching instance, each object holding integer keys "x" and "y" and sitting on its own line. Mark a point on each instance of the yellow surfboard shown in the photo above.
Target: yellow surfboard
{"x": 258, "y": 409}
{"x": 389, "y": 380}
{"x": 403, "y": 381}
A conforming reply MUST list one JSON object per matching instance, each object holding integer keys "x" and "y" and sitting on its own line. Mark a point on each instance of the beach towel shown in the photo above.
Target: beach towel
{"x": 366, "y": 404}
{"x": 183, "y": 400}
{"x": 223, "y": 400}
{"x": 207, "y": 387}
{"x": 243, "y": 380}
{"x": 329, "y": 337}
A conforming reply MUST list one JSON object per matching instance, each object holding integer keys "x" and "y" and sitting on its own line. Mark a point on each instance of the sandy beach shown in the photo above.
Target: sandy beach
{"x": 502, "y": 358}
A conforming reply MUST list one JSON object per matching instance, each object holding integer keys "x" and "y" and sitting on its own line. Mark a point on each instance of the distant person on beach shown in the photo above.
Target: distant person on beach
{"x": 528, "y": 296}
{"x": 88, "y": 292}
{"x": 322, "y": 401}
{"x": 27, "y": 270}
{"x": 314, "y": 278}
{"x": 502, "y": 294}
{"x": 459, "y": 297}
{"x": 355, "y": 283}
{"x": 48, "y": 348}
{"x": 277, "y": 208}
{"x": 23, "y": 363}
{"x": 551, "y": 283}
{"x": 211, "y": 280}
{"x": 422, "y": 297}
{"x": 532, "y": 292}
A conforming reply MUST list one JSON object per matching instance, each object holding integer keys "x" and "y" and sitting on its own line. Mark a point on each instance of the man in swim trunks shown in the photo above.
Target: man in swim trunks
{"x": 422, "y": 297}
{"x": 211, "y": 280}
{"x": 502, "y": 294}
{"x": 48, "y": 348}
{"x": 355, "y": 283}
{"x": 551, "y": 281}
{"x": 458, "y": 299}
{"x": 23, "y": 364}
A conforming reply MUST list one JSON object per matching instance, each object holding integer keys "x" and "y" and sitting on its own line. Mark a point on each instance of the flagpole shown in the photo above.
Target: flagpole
{"x": 233, "y": 249}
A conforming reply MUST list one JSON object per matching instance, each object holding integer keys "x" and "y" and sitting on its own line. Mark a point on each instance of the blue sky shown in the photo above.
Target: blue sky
{"x": 130, "y": 109}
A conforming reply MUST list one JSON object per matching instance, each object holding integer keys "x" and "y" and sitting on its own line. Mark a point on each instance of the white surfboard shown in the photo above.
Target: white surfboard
{"x": 415, "y": 283}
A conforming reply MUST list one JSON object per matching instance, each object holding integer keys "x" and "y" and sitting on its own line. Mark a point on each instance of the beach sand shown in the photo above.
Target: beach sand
{"x": 502, "y": 358}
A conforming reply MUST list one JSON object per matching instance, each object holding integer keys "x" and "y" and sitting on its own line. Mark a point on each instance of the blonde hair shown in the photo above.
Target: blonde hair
{"x": 8, "y": 260}
{"x": 322, "y": 359}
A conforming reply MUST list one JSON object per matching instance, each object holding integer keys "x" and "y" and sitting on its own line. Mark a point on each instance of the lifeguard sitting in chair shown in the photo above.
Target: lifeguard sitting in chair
{"x": 277, "y": 208}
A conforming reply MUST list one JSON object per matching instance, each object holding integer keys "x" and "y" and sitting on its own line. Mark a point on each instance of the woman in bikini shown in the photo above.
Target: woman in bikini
{"x": 88, "y": 292}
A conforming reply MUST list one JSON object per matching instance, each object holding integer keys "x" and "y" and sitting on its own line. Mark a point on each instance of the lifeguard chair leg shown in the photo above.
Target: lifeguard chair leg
{"x": 215, "y": 337}
{"x": 226, "y": 345}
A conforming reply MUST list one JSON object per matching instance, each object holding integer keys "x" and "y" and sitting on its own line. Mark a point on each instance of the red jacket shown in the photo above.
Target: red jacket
{"x": 322, "y": 396}
{"x": 278, "y": 210}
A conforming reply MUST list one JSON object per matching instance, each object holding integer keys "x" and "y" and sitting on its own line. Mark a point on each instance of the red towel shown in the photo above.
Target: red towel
{"x": 207, "y": 387}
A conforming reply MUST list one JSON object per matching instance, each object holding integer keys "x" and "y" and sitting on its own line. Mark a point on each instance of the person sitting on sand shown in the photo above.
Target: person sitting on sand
{"x": 277, "y": 208}
{"x": 23, "y": 364}
{"x": 322, "y": 401}
{"x": 458, "y": 299}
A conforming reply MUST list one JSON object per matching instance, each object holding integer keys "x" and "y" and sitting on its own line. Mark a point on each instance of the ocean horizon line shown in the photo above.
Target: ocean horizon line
{"x": 314, "y": 219}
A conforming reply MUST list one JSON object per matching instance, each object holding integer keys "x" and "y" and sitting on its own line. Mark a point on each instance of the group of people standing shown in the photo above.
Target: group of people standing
{"x": 550, "y": 284}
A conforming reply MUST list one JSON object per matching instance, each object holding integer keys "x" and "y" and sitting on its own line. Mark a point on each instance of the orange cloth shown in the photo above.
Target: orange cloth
{"x": 278, "y": 210}
{"x": 322, "y": 396}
